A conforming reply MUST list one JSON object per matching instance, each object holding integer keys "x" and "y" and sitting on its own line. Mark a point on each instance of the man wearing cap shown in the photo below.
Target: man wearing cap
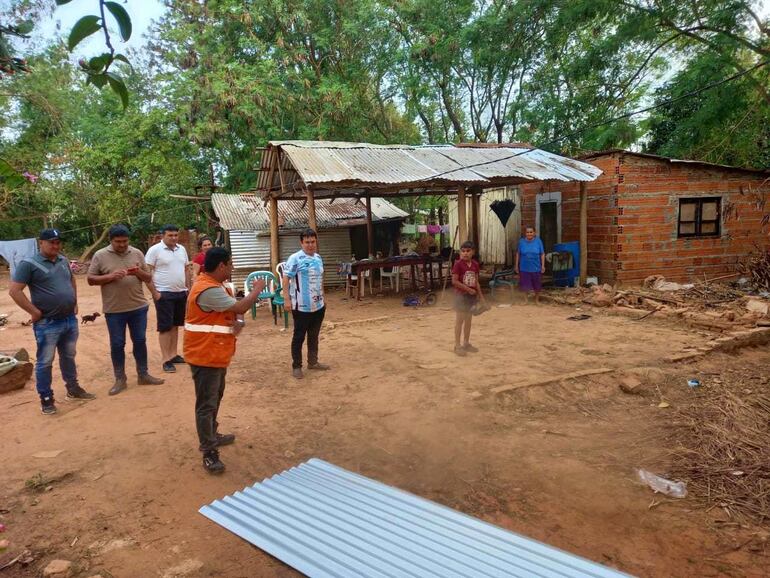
{"x": 211, "y": 325}
{"x": 53, "y": 308}
{"x": 119, "y": 270}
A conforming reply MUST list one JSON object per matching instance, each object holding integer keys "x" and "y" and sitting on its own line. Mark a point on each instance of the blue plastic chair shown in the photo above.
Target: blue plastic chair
{"x": 279, "y": 308}
{"x": 504, "y": 278}
{"x": 269, "y": 292}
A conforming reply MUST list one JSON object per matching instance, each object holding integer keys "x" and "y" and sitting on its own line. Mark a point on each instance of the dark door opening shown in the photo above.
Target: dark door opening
{"x": 549, "y": 227}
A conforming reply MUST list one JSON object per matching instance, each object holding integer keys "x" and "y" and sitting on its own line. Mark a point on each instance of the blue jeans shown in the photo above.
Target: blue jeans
{"x": 136, "y": 321}
{"x": 52, "y": 335}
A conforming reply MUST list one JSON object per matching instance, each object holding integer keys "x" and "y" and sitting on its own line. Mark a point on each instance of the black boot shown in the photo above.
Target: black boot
{"x": 212, "y": 463}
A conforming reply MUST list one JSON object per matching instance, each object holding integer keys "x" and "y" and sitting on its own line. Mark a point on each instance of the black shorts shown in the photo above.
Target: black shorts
{"x": 464, "y": 302}
{"x": 170, "y": 309}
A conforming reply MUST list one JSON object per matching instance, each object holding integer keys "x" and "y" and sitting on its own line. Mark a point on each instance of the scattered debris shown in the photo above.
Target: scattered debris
{"x": 664, "y": 404}
{"x": 47, "y": 454}
{"x": 581, "y": 317}
{"x": 724, "y": 455}
{"x": 58, "y": 569}
{"x": 631, "y": 385}
{"x": 659, "y": 283}
{"x": 757, "y": 305}
{"x": 25, "y": 558}
{"x": 714, "y": 306}
{"x": 693, "y": 383}
{"x": 662, "y": 485}
{"x": 756, "y": 268}
{"x": 40, "y": 483}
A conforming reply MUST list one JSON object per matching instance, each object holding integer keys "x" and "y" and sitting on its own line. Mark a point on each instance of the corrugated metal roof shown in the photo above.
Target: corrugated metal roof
{"x": 367, "y": 165}
{"x": 328, "y": 522}
{"x": 247, "y": 212}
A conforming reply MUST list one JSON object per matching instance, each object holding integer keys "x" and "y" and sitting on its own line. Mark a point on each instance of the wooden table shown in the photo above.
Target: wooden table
{"x": 413, "y": 261}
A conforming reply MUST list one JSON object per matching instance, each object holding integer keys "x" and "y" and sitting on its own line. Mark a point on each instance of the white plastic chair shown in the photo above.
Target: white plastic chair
{"x": 352, "y": 281}
{"x": 393, "y": 274}
{"x": 279, "y": 269}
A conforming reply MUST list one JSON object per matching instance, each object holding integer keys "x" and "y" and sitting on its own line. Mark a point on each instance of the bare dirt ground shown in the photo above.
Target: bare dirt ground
{"x": 555, "y": 463}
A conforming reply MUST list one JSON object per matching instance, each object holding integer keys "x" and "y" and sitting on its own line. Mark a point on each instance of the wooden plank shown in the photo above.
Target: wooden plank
{"x": 274, "y": 247}
{"x": 550, "y": 380}
{"x": 462, "y": 218}
{"x": 583, "y": 233}
{"x": 369, "y": 227}
{"x": 475, "y": 222}
{"x": 280, "y": 173}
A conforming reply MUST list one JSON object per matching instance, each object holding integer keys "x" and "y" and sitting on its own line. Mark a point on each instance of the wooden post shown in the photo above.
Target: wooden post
{"x": 462, "y": 219}
{"x": 475, "y": 222}
{"x": 441, "y": 239}
{"x": 311, "y": 221}
{"x": 274, "y": 248}
{"x": 583, "y": 233}
{"x": 369, "y": 227}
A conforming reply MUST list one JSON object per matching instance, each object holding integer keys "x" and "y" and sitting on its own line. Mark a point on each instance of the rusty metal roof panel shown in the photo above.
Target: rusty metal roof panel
{"x": 328, "y": 522}
{"x": 247, "y": 212}
{"x": 365, "y": 165}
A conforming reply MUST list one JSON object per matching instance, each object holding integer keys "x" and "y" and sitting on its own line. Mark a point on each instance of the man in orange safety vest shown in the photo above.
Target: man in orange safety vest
{"x": 213, "y": 320}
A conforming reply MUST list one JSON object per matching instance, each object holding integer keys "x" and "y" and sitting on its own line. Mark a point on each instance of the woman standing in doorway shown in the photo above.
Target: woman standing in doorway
{"x": 204, "y": 244}
{"x": 530, "y": 264}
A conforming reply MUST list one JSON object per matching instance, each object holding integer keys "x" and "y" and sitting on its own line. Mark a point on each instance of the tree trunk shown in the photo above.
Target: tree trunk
{"x": 92, "y": 247}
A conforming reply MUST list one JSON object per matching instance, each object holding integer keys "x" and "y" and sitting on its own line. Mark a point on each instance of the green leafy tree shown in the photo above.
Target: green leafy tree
{"x": 97, "y": 163}
{"x": 242, "y": 73}
{"x": 729, "y": 124}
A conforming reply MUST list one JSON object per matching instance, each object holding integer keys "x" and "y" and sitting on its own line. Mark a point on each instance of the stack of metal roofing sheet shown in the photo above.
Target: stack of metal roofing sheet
{"x": 328, "y": 522}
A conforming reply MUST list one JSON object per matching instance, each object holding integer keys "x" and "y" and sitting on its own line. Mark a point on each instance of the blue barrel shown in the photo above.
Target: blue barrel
{"x": 566, "y": 277}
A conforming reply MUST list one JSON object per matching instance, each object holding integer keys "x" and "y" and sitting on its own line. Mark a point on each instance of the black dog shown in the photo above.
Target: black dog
{"x": 86, "y": 318}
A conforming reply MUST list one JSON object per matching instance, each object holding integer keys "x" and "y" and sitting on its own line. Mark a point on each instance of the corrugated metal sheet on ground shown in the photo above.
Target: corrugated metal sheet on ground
{"x": 328, "y": 522}
{"x": 248, "y": 212}
{"x": 337, "y": 162}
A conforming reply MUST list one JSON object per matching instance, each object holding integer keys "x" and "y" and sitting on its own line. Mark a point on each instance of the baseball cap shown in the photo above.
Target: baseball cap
{"x": 50, "y": 235}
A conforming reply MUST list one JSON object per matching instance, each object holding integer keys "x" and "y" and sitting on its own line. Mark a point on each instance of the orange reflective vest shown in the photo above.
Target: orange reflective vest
{"x": 208, "y": 336}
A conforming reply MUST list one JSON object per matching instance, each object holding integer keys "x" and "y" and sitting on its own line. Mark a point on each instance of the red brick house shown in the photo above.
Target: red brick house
{"x": 655, "y": 215}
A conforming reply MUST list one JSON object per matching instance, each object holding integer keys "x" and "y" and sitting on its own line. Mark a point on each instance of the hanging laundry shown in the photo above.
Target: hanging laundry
{"x": 434, "y": 229}
{"x": 408, "y": 229}
{"x": 422, "y": 228}
{"x": 445, "y": 229}
{"x": 16, "y": 251}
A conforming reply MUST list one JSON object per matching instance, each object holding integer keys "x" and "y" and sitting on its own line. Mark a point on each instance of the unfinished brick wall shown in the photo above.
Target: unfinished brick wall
{"x": 648, "y": 204}
{"x": 633, "y": 211}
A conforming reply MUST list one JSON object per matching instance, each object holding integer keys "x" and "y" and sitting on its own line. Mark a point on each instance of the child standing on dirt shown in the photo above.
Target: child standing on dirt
{"x": 465, "y": 280}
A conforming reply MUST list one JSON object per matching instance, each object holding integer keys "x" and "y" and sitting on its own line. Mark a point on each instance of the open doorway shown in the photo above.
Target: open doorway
{"x": 549, "y": 220}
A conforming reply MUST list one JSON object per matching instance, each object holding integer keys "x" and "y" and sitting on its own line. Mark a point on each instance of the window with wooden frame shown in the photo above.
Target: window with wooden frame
{"x": 699, "y": 217}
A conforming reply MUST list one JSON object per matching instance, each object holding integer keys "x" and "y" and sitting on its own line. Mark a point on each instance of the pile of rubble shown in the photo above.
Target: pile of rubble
{"x": 707, "y": 304}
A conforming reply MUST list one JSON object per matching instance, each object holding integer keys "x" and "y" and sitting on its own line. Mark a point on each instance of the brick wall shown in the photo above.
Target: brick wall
{"x": 602, "y": 236}
{"x": 633, "y": 213}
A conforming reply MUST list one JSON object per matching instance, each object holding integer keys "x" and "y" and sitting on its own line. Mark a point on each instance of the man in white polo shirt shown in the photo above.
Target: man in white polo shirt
{"x": 170, "y": 275}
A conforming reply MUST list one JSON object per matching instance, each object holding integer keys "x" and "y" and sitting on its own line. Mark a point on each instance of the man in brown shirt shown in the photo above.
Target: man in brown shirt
{"x": 120, "y": 271}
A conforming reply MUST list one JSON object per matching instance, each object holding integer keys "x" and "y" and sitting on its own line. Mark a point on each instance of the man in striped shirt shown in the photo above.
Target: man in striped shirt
{"x": 303, "y": 279}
